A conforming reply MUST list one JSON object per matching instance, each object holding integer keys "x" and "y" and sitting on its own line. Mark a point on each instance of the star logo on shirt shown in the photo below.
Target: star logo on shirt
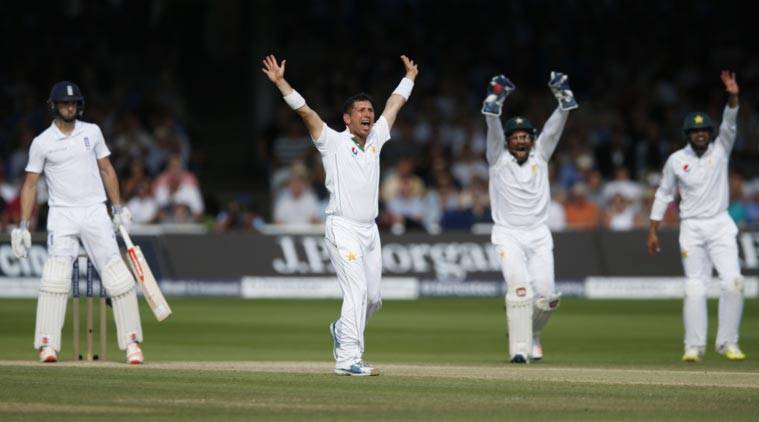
{"x": 534, "y": 169}
{"x": 351, "y": 256}
{"x": 699, "y": 119}
{"x": 373, "y": 149}
{"x": 684, "y": 253}
{"x": 502, "y": 253}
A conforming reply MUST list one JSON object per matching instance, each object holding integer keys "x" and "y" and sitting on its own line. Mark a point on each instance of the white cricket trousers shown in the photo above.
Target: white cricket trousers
{"x": 526, "y": 257}
{"x": 354, "y": 249}
{"x": 705, "y": 244}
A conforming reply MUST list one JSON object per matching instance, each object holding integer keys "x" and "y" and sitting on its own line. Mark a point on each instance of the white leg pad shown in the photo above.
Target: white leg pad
{"x": 730, "y": 310}
{"x": 542, "y": 310}
{"x": 116, "y": 278}
{"x": 51, "y": 303}
{"x": 695, "y": 314}
{"x": 51, "y": 312}
{"x": 519, "y": 319}
{"x": 127, "y": 317}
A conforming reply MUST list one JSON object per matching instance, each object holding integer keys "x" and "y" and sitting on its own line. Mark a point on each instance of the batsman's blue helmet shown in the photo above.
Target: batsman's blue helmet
{"x": 66, "y": 91}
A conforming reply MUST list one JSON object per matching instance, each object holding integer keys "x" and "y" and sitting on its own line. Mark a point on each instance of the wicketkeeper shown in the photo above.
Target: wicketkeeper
{"x": 520, "y": 195}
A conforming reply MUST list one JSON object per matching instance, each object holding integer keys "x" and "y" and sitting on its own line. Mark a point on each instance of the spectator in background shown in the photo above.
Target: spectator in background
{"x": 292, "y": 145}
{"x": 407, "y": 209}
{"x": 557, "y": 218}
{"x": 391, "y": 184}
{"x": 132, "y": 142}
{"x": 468, "y": 166}
{"x": 297, "y": 204}
{"x": 619, "y": 215}
{"x": 581, "y": 213}
{"x": 178, "y": 193}
{"x": 622, "y": 185}
{"x": 752, "y": 210}
{"x": 134, "y": 180}
{"x": 142, "y": 204}
{"x": 443, "y": 199}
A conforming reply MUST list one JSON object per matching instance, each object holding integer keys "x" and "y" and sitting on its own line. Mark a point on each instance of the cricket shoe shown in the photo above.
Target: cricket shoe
{"x": 537, "y": 349}
{"x": 693, "y": 354}
{"x": 134, "y": 354}
{"x": 732, "y": 352}
{"x": 335, "y": 343}
{"x": 358, "y": 369}
{"x": 48, "y": 354}
{"x": 519, "y": 358}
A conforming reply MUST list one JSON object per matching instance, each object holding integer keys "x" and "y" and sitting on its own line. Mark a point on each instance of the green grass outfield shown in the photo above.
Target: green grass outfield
{"x": 442, "y": 359}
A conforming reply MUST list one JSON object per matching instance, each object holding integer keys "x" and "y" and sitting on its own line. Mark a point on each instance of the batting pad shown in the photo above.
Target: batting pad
{"x": 519, "y": 319}
{"x": 544, "y": 307}
{"x": 56, "y": 275}
{"x": 51, "y": 312}
{"x": 117, "y": 279}
{"x": 127, "y": 318}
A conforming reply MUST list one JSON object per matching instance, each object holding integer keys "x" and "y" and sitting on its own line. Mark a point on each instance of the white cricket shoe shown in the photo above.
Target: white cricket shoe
{"x": 134, "y": 355}
{"x": 358, "y": 369}
{"x": 731, "y": 351}
{"x": 693, "y": 354}
{"x": 48, "y": 354}
{"x": 537, "y": 349}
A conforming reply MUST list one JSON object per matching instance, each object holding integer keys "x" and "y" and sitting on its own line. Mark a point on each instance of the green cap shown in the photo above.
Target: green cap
{"x": 519, "y": 123}
{"x": 697, "y": 121}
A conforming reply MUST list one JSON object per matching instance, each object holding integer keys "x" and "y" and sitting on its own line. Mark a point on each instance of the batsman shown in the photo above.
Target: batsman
{"x": 519, "y": 194}
{"x": 73, "y": 157}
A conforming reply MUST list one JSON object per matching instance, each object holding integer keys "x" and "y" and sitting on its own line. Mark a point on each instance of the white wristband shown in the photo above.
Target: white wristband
{"x": 404, "y": 88}
{"x": 294, "y": 100}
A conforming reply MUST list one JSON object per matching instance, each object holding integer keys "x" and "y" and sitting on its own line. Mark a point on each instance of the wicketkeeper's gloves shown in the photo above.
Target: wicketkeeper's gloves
{"x": 499, "y": 88}
{"x": 559, "y": 85}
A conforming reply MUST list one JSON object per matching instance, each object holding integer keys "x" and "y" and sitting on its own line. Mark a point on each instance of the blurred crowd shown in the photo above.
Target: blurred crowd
{"x": 633, "y": 93}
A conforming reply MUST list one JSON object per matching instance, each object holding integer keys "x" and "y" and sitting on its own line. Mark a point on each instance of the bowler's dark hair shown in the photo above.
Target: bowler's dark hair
{"x": 348, "y": 105}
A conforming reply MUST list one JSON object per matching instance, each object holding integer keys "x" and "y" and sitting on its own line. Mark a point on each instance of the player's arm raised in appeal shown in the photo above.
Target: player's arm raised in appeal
{"x": 399, "y": 97}
{"x": 276, "y": 73}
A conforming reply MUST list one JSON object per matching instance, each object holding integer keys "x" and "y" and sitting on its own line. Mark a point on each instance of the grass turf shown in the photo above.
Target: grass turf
{"x": 633, "y": 335}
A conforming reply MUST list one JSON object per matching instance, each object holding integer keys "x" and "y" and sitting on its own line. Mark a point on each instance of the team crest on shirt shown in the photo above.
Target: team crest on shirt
{"x": 686, "y": 167}
{"x": 534, "y": 169}
{"x": 373, "y": 149}
{"x": 87, "y": 142}
{"x": 351, "y": 256}
{"x": 354, "y": 151}
{"x": 684, "y": 253}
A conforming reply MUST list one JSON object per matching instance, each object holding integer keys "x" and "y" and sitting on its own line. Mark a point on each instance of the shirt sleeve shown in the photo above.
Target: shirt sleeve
{"x": 728, "y": 129}
{"x": 326, "y": 140}
{"x": 552, "y": 130}
{"x": 36, "y": 158}
{"x": 665, "y": 193}
{"x": 496, "y": 140}
{"x": 101, "y": 149}
{"x": 381, "y": 130}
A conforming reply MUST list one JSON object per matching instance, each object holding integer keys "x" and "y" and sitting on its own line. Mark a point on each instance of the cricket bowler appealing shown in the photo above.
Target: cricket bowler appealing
{"x": 708, "y": 236}
{"x": 352, "y": 166}
{"x": 519, "y": 196}
{"x": 73, "y": 156}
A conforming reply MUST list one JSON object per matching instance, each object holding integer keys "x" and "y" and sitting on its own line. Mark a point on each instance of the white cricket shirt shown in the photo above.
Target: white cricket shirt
{"x": 352, "y": 172}
{"x": 69, "y": 164}
{"x": 520, "y": 194}
{"x": 701, "y": 181}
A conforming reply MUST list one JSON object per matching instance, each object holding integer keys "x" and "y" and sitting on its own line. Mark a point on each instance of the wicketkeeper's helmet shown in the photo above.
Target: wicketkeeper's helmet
{"x": 697, "y": 121}
{"x": 519, "y": 123}
{"x": 66, "y": 91}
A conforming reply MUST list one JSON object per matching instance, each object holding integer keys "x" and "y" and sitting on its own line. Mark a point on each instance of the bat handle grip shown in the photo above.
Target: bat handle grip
{"x": 125, "y": 236}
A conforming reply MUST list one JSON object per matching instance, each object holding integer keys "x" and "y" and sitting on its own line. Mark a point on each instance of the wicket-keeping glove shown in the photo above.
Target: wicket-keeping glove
{"x": 499, "y": 88}
{"x": 121, "y": 217}
{"x": 21, "y": 241}
{"x": 559, "y": 85}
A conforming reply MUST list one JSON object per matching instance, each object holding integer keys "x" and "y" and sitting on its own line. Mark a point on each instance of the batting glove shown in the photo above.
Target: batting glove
{"x": 21, "y": 241}
{"x": 559, "y": 85}
{"x": 499, "y": 88}
{"x": 121, "y": 217}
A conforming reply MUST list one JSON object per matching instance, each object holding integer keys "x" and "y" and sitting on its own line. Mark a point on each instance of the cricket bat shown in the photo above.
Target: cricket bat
{"x": 145, "y": 277}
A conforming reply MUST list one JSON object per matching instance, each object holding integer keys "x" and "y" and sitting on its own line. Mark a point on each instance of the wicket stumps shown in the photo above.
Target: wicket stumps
{"x": 90, "y": 314}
